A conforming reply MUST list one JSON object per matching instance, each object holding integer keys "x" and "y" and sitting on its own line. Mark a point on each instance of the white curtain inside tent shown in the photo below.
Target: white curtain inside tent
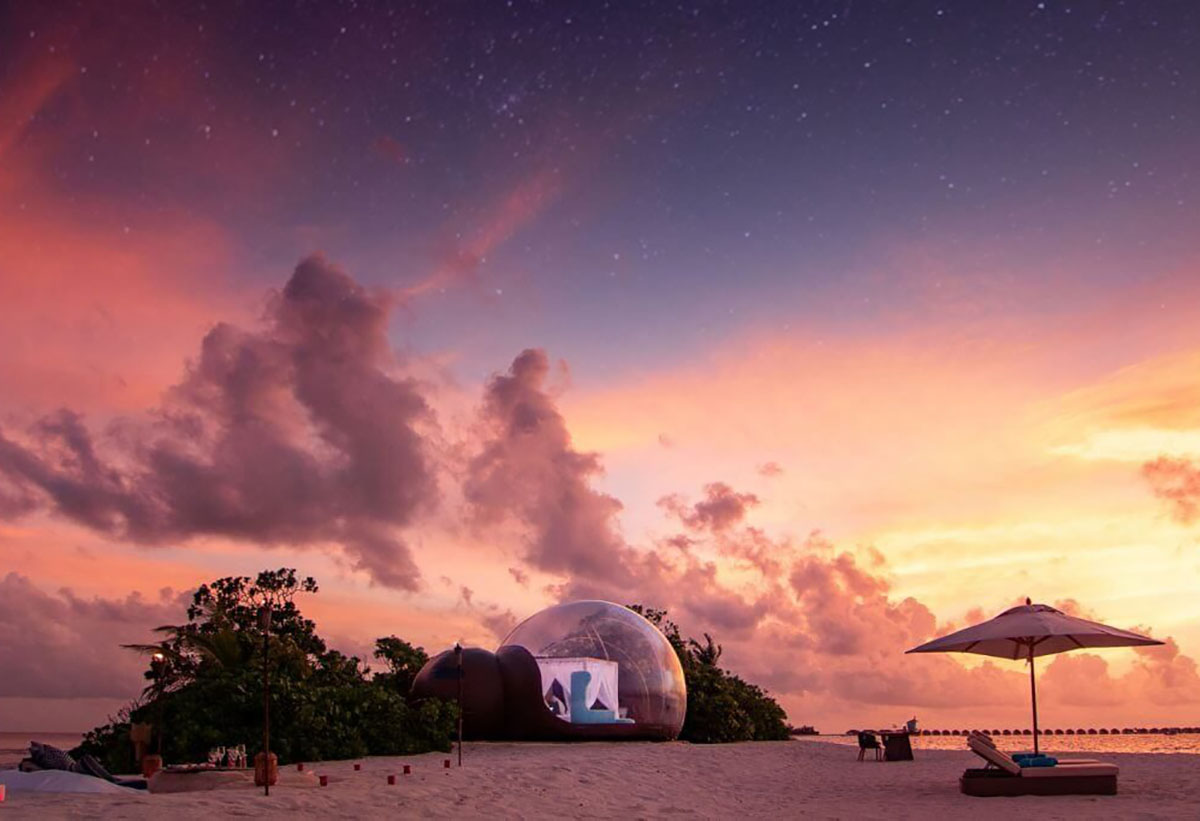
{"x": 602, "y": 686}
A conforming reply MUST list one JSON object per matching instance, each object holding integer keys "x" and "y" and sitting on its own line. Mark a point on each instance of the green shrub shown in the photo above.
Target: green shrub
{"x": 720, "y": 706}
{"x": 206, "y": 686}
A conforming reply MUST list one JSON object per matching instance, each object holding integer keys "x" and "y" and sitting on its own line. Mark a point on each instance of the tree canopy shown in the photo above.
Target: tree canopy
{"x": 205, "y": 684}
{"x": 721, "y": 706}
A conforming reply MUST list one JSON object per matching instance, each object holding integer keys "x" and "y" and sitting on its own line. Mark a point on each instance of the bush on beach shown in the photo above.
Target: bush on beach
{"x": 207, "y": 689}
{"x": 721, "y": 707}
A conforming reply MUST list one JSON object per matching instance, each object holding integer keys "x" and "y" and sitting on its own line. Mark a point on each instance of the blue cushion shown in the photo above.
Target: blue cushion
{"x": 1038, "y": 761}
{"x": 580, "y": 712}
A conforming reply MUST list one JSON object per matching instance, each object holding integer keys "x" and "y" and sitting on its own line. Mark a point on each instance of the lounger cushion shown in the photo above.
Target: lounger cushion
{"x": 1070, "y": 771}
{"x": 1036, "y": 761}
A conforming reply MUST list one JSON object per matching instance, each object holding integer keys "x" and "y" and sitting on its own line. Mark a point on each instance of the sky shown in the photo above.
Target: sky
{"x": 829, "y": 327}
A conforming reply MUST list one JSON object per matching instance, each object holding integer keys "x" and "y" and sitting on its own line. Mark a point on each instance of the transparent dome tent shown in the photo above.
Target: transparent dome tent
{"x": 584, "y": 670}
{"x": 604, "y": 667}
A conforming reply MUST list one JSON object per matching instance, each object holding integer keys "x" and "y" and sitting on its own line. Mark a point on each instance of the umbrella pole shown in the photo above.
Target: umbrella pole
{"x": 1033, "y": 692}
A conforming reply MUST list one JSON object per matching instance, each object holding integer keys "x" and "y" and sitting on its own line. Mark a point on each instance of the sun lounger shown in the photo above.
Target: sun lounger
{"x": 1004, "y": 776}
{"x": 987, "y": 739}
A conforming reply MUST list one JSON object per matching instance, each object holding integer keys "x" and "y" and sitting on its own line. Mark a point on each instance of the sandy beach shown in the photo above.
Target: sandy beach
{"x": 632, "y": 780}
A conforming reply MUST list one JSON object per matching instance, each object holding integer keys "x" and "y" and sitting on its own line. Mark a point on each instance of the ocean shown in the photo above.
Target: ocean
{"x": 15, "y": 746}
{"x": 1188, "y": 743}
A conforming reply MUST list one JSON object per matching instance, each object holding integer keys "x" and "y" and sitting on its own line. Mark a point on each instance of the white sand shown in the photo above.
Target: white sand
{"x": 641, "y": 780}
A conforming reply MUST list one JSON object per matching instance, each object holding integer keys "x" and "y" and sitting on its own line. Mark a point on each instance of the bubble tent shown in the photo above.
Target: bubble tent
{"x": 584, "y": 670}
{"x": 650, "y": 688}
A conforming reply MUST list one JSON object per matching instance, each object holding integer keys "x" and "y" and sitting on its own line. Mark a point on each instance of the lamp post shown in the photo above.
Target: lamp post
{"x": 458, "y": 660}
{"x": 265, "y": 623}
{"x": 157, "y": 663}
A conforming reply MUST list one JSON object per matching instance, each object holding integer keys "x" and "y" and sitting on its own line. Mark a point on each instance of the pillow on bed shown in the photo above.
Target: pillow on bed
{"x": 88, "y": 765}
{"x": 50, "y": 758}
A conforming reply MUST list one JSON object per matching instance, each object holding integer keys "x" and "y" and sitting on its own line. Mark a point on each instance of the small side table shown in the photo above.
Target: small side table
{"x": 896, "y": 746}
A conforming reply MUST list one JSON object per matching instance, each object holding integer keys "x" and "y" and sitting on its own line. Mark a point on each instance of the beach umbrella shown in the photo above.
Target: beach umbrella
{"x": 1031, "y": 630}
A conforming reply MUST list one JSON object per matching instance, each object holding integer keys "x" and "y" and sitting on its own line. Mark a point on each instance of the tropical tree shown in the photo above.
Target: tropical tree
{"x": 721, "y": 707}
{"x": 205, "y": 683}
{"x": 403, "y": 662}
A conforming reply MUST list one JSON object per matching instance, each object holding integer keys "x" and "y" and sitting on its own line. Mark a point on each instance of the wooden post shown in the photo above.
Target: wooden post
{"x": 458, "y": 657}
{"x": 266, "y": 628}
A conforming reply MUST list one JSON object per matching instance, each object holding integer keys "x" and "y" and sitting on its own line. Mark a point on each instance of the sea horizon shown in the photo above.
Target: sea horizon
{"x": 1136, "y": 743}
{"x": 14, "y": 743}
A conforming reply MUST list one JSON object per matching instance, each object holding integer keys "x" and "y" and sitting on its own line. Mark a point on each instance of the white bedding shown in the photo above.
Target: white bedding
{"x": 57, "y": 781}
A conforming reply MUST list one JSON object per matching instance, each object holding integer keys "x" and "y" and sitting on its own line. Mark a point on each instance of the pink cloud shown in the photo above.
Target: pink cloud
{"x": 297, "y": 433}
{"x": 721, "y": 508}
{"x": 1177, "y": 482}
{"x": 59, "y": 645}
{"x": 526, "y": 467}
{"x": 835, "y": 630}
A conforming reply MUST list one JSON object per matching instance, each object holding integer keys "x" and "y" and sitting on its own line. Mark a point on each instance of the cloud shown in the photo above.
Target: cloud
{"x": 43, "y": 75}
{"x": 721, "y": 507}
{"x": 770, "y": 469}
{"x": 1158, "y": 676}
{"x": 1177, "y": 482}
{"x": 296, "y": 433}
{"x": 815, "y": 623}
{"x": 505, "y": 216}
{"x": 526, "y": 468}
{"x": 58, "y": 645}
{"x": 496, "y": 620}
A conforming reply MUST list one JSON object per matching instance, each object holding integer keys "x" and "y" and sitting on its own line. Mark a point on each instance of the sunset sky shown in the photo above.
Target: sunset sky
{"x": 829, "y": 329}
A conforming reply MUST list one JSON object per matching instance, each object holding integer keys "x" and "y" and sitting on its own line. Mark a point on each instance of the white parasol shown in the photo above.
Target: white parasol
{"x": 1031, "y": 630}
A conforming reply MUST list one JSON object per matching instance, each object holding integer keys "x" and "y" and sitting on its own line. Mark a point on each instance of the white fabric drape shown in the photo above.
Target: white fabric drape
{"x": 602, "y": 686}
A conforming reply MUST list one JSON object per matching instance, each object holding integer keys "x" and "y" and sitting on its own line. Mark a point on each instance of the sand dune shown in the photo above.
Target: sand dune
{"x": 629, "y": 780}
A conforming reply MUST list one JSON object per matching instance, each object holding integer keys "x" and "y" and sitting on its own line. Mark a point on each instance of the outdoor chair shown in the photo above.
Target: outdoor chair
{"x": 868, "y": 741}
{"x": 1004, "y": 776}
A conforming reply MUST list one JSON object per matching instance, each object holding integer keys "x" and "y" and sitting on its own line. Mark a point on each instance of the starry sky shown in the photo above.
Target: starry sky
{"x": 848, "y": 313}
